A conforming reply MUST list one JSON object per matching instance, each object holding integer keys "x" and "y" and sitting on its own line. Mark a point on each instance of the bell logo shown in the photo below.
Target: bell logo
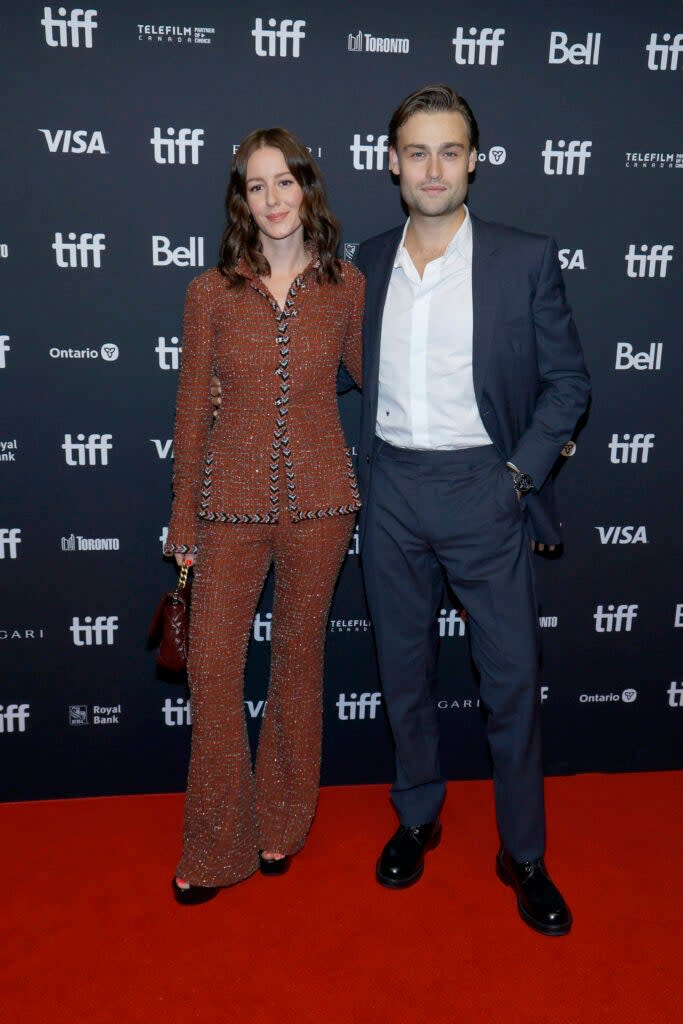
{"x": 69, "y": 141}
{"x": 168, "y": 353}
{"x": 646, "y": 262}
{"x": 622, "y": 534}
{"x": 369, "y": 155}
{"x": 76, "y": 252}
{"x": 69, "y": 30}
{"x": 675, "y": 693}
{"x": 650, "y": 360}
{"x": 476, "y": 49}
{"x": 99, "y": 633}
{"x": 568, "y": 158}
{"x": 579, "y": 53}
{"x": 615, "y": 619}
{"x": 181, "y": 256}
{"x": 188, "y": 140}
{"x": 92, "y": 452}
{"x": 14, "y": 714}
{"x": 287, "y": 31}
{"x": 358, "y": 706}
{"x": 664, "y": 56}
{"x": 630, "y": 450}
{"x": 10, "y": 539}
{"x": 571, "y": 259}
{"x": 4, "y": 349}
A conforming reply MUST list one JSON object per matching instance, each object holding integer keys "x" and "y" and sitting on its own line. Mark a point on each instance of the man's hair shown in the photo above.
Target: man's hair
{"x": 433, "y": 99}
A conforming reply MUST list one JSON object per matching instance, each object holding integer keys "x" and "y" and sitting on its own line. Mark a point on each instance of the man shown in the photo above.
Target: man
{"x": 473, "y": 382}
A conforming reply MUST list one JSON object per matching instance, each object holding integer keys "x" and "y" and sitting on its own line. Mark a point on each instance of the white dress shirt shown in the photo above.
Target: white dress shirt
{"x": 426, "y": 390}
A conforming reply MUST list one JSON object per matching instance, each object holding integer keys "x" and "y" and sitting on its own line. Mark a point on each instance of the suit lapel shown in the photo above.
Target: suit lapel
{"x": 484, "y": 300}
{"x": 378, "y": 277}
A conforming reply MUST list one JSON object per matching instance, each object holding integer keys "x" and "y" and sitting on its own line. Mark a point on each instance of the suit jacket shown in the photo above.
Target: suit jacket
{"x": 277, "y": 447}
{"x": 530, "y": 379}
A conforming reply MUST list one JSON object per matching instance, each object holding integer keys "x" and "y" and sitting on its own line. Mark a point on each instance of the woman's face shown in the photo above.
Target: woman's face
{"x": 274, "y": 196}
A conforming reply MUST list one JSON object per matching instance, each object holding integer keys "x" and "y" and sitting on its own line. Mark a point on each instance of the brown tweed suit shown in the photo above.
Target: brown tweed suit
{"x": 270, "y": 483}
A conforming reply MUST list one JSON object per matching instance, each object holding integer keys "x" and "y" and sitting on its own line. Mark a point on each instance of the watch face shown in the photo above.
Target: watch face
{"x": 523, "y": 482}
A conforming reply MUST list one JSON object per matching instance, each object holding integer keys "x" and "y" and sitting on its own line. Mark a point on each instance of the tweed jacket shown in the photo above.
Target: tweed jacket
{"x": 276, "y": 447}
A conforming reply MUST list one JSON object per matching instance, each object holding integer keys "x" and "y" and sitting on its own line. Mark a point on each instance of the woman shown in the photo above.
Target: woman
{"x": 270, "y": 483}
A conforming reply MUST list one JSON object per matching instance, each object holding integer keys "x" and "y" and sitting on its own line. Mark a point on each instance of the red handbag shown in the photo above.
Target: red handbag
{"x": 170, "y": 627}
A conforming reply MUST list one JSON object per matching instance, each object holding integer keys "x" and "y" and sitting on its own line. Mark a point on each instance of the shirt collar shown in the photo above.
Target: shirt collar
{"x": 460, "y": 243}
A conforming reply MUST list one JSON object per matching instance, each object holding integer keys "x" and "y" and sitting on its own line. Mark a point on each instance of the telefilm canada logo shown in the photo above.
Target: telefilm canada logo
{"x": 98, "y": 714}
{"x": 364, "y": 42}
{"x": 74, "y": 141}
{"x": 108, "y": 352}
{"x": 177, "y": 35}
{"x": 654, "y": 161}
{"x": 75, "y": 30}
{"x": 350, "y": 625}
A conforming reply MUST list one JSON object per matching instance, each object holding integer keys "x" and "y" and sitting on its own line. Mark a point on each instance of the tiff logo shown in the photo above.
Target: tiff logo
{"x": 69, "y": 141}
{"x": 288, "y": 31}
{"x": 658, "y": 54}
{"x": 10, "y": 539}
{"x": 369, "y": 155}
{"x": 651, "y": 256}
{"x": 77, "y": 253}
{"x": 4, "y": 349}
{"x": 631, "y": 449}
{"x": 92, "y": 452}
{"x": 626, "y": 360}
{"x": 563, "y": 159}
{"x": 166, "y": 149}
{"x": 176, "y": 712}
{"x": 451, "y": 623}
{"x": 169, "y": 353}
{"x": 615, "y": 619}
{"x": 69, "y": 29}
{"x": 579, "y": 53}
{"x": 98, "y": 633}
{"x": 357, "y": 706}
{"x": 263, "y": 627}
{"x": 14, "y": 714}
{"x": 675, "y": 693}
{"x": 476, "y": 49}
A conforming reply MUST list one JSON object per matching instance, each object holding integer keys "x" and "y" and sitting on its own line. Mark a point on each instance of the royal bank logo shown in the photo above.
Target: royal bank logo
{"x": 350, "y": 250}
{"x": 571, "y": 259}
{"x": 622, "y": 534}
{"x": 99, "y": 714}
{"x": 78, "y": 141}
{"x": 108, "y": 353}
{"x": 8, "y": 450}
{"x": 91, "y": 451}
{"x": 654, "y": 161}
{"x": 576, "y": 53}
{"x": 369, "y": 155}
{"x": 478, "y": 46}
{"x": 163, "y": 254}
{"x": 177, "y": 35}
{"x": 648, "y": 359}
{"x": 675, "y": 693}
{"x": 280, "y": 39}
{"x": 651, "y": 261}
{"x": 168, "y": 352}
{"x": 10, "y": 539}
{"x": 566, "y": 158}
{"x": 364, "y": 42}
{"x": 664, "y": 56}
{"x": 75, "y": 30}
{"x": 625, "y": 449}
{"x": 358, "y": 707}
{"x": 14, "y": 717}
{"x": 178, "y": 146}
{"x": 615, "y": 618}
{"x": 76, "y": 542}
{"x": 97, "y": 632}
{"x": 83, "y": 251}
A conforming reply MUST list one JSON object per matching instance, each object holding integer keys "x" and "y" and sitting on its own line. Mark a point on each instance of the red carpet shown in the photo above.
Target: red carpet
{"x": 91, "y": 932}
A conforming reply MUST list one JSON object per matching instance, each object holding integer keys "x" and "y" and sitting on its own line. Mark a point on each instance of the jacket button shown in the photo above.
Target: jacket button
{"x": 367, "y": 458}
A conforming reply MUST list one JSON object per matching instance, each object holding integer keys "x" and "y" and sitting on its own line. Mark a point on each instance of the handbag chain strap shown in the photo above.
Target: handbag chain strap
{"x": 182, "y": 577}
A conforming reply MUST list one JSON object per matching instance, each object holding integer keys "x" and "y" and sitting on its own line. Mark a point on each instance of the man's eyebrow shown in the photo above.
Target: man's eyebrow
{"x": 443, "y": 145}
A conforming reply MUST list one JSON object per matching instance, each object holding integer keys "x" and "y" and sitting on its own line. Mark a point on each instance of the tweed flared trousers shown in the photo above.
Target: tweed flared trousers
{"x": 231, "y": 810}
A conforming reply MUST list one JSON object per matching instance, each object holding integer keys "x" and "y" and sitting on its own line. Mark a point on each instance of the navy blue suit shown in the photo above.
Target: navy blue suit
{"x": 427, "y": 514}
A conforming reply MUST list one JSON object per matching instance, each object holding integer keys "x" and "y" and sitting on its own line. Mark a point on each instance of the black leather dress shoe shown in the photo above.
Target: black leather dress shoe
{"x": 539, "y": 901}
{"x": 193, "y": 895}
{"x": 402, "y": 861}
{"x": 270, "y": 866}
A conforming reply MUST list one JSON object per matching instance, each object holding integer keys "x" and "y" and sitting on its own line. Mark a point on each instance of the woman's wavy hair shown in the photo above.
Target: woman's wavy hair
{"x": 241, "y": 235}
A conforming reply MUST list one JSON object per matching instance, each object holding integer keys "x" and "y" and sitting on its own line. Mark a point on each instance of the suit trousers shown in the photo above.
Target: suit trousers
{"x": 231, "y": 810}
{"x": 431, "y": 513}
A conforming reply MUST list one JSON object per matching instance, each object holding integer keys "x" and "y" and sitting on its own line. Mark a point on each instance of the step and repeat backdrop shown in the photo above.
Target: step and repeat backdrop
{"x": 119, "y": 124}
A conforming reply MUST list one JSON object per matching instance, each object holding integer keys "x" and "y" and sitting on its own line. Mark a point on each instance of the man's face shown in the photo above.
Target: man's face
{"x": 433, "y": 158}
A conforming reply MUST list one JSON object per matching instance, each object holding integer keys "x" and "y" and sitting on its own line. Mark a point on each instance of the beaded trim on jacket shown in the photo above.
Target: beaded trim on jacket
{"x": 281, "y": 451}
